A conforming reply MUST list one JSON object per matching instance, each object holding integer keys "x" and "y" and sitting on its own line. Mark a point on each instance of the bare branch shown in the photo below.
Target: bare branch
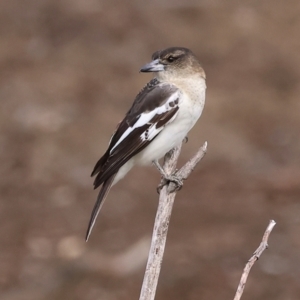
{"x": 257, "y": 253}
{"x": 186, "y": 170}
{"x": 161, "y": 225}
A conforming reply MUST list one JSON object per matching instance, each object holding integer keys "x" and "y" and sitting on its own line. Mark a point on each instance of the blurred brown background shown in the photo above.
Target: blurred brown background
{"x": 69, "y": 72}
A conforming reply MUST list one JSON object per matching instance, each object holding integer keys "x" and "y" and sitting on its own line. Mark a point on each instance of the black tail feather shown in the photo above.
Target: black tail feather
{"x": 100, "y": 200}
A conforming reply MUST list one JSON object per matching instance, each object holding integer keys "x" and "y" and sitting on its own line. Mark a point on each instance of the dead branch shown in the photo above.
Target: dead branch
{"x": 164, "y": 210}
{"x": 257, "y": 253}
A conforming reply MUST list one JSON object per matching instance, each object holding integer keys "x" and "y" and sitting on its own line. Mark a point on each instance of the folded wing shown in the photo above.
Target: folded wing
{"x": 154, "y": 107}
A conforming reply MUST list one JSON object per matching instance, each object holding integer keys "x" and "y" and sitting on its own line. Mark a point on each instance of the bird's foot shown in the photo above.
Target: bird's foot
{"x": 178, "y": 182}
{"x": 166, "y": 179}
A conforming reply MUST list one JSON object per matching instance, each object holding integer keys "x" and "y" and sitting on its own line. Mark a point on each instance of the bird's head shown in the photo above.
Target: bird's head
{"x": 174, "y": 61}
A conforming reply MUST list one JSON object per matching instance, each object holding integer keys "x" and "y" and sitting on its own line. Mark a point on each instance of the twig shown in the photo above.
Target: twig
{"x": 256, "y": 255}
{"x": 164, "y": 210}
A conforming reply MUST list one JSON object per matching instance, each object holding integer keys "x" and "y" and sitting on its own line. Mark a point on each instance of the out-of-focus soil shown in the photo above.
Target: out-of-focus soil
{"x": 69, "y": 72}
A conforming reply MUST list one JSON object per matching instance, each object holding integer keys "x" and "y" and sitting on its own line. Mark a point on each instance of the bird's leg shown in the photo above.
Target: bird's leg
{"x": 159, "y": 168}
{"x": 163, "y": 174}
{"x": 166, "y": 178}
{"x": 186, "y": 139}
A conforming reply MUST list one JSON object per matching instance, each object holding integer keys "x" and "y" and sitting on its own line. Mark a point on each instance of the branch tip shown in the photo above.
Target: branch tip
{"x": 256, "y": 255}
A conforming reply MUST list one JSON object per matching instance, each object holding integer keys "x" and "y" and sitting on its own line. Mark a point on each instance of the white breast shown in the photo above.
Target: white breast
{"x": 191, "y": 104}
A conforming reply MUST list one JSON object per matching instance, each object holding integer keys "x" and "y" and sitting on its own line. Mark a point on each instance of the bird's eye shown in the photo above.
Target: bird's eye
{"x": 171, "y": 58}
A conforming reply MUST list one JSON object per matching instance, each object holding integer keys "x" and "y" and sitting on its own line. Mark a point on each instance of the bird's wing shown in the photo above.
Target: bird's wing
{"x": 154, "y": 107}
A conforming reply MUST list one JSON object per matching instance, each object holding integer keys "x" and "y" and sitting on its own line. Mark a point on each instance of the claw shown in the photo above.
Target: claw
{"x": 163, "y": 182}
{"x": 167, "y": 179}
{"x": 177, "y": 181}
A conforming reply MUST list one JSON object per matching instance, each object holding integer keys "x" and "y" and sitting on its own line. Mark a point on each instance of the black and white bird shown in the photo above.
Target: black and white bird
{"x": 160, "y": 118}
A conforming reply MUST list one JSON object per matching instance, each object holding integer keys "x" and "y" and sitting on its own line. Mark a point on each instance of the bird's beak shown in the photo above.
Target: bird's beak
{"x": 153, "y": 66}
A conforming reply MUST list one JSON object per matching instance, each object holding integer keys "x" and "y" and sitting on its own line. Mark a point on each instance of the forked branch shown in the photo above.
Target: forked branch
{"x": 164, "y": 210}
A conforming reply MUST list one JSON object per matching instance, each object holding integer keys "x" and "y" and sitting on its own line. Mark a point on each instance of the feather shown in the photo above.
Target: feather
{"x": 99, "y": 202}
{"x": 154, "y": 107}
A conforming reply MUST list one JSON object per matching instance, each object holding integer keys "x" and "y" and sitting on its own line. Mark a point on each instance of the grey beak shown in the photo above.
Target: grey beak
{"x": 153, "y": 66}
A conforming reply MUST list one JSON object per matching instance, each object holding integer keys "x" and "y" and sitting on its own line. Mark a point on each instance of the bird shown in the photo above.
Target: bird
{"x": 161, "y": 116}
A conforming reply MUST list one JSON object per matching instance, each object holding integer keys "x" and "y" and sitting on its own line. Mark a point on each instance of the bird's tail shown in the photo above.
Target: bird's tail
{"x": 100, "y": 200}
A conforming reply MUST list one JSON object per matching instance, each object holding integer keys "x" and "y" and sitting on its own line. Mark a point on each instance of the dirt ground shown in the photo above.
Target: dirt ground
{"x": 69, "y": 72}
